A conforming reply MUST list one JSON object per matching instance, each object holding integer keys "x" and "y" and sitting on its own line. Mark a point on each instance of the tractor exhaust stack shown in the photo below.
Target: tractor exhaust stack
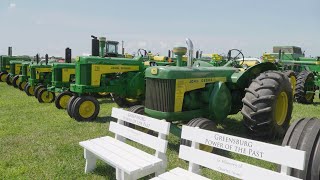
{"x": 10, "y": 51}
{"x": 37, "y": 58}
{"x": 68, "y": 55}
{"x": 95, "y": 46}
{"x": 47, "y": 58}
{"x": 190, "y": 53}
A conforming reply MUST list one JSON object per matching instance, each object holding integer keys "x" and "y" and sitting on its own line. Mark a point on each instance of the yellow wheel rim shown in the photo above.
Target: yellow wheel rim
{"x": 87, "y": 109}
{"x": 103, "y": 93}
{"x": 293, "y": 82}
{"x": 64, "y": 101}
{"x": 31, "y": 90}
{"x": 3, "y": 77}
{"x": 17, "y": 81}
{"x": 131, "y": 100}
{"x": 309, "y": 96}
{"x": 47, "y": 96}
{"x": 281, "y": 108}
{"x": 23, "y": 84}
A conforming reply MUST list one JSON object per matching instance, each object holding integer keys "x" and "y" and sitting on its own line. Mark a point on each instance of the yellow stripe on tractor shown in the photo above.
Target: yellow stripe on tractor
{"x": 66, "y": 73}
{"x": 17, "y": 69}
{"x": 185, "y": 85}
{"x": 98, "y": 70}
{"x": 41, "y": 70}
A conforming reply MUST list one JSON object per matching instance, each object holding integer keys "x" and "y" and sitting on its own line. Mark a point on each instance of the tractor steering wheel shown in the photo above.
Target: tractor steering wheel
{"x": 142, "y": 52}
{"x": 234, "y": 59}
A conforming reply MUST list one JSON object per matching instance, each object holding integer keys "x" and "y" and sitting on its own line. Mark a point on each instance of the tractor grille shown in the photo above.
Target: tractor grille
{"x": 160, "y": 94}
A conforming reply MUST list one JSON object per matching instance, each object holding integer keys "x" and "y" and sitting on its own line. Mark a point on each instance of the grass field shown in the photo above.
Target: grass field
{"x": 38, "y": 141}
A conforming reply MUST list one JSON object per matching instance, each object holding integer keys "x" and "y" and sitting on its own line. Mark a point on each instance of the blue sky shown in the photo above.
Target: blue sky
{"x": 254, "y": 26}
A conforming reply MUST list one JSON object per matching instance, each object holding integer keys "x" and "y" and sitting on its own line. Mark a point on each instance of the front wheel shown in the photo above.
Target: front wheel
{"x": 85, "y": 108}
{"x": 3, "y": 76}
{"x": 29, "y": 90}
{"x": 45, "y": 96}
{"x": 9, "y": 80}
{"x": 15, "y": 81}
{"x": 22, "y": 85}
{"x": 267, "y": 105}
{"x": 202, "y": 123}
{"x": 62, "y": 99}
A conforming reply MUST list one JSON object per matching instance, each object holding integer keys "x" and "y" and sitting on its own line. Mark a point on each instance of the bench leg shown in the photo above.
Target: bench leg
{"x": 160, "y": 171}
{"x": 121, "y": 175}
{"x": 90, "y": 161}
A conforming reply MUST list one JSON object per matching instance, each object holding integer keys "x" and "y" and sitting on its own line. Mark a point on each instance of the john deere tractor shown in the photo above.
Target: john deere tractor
{"x": 40, "y": 77}
{"x": 122, "y": 77}
{"x": 305, "y": 70}
{"x": 5, "y": 65}
{"x": 200, "y": 94}
{"x": 24, "y": 76}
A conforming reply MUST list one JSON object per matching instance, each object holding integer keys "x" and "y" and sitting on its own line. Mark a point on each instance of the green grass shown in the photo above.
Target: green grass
{"x": 38, "y": 141}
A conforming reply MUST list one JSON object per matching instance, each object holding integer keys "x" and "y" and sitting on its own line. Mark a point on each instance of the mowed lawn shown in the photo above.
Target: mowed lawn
{"x": 38, "y": 141}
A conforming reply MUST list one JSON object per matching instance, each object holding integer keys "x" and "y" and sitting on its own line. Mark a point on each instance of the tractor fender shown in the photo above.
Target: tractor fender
{"x": 244, "y": 78}
{"x": 220, "y": 101}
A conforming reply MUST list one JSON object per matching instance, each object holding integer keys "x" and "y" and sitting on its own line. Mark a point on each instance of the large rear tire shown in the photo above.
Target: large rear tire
{"x": 305, "y": 89}
{"x": 202, "y": 123}
{"x": 292, "y": 78}
{"x": 267, "y": 105}
{"x": 304, "y": 135}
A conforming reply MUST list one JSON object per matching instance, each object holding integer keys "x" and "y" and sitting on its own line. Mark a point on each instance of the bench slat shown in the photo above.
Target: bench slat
{"x": 272, "y": 153}
{"x": 229, "y": 166}
{"x": 131, "y": 158}
{"x": 112, "y": 158}
{"x": 143, "y": 121}
{"x": 130, "y": 149}
{"x": 140, "y": 137}
{"x": 188, "y": 174}
{"x": 179, "y": 174}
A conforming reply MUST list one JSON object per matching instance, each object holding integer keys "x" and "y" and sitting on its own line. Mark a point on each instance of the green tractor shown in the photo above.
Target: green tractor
{"x": 63, "y": 74}
{"x": 306, "y": 70}
{"x": 24, "y": 76}
{"x": 13, "y": 77}
{"x": 200, "y": 94}
{"x": 40, "y": 77}
{"x": 5, "y": 61}
{"x": 122, "y": 77}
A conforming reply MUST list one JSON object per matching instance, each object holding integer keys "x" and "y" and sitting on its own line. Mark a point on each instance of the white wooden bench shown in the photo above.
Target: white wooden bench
{"x": 285, "y": 156}
{"x": 129, "y": 162}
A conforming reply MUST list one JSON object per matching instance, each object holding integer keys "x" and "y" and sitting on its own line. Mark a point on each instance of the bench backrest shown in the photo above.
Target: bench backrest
{"x": 124, "y": 132}
{"x": 284, "y": 156}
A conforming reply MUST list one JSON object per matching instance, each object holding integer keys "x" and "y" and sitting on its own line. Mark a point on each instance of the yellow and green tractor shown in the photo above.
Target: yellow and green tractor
{"x": 201, "y": 94}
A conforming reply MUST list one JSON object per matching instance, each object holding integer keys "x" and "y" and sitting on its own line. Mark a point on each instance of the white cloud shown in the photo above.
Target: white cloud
{"x": 12, "y": 6}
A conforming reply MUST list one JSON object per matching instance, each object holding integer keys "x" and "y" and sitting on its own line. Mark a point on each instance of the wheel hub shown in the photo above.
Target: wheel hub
{"x": 281, "y": 108}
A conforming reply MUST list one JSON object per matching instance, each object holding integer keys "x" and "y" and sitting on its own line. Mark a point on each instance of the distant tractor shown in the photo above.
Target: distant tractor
{"x": 201, "y": 94}
{"x": 5, "y": 74}
{"x": 306, "y": 70}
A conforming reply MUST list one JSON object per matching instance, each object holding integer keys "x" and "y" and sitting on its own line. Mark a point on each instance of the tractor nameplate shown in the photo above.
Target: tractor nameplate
{"x": 98, "y": 70}
{"x": 185, "y": 85}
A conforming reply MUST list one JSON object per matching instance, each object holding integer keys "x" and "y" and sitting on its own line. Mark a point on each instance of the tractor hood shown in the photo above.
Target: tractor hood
{"x": 174, "y": 72}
